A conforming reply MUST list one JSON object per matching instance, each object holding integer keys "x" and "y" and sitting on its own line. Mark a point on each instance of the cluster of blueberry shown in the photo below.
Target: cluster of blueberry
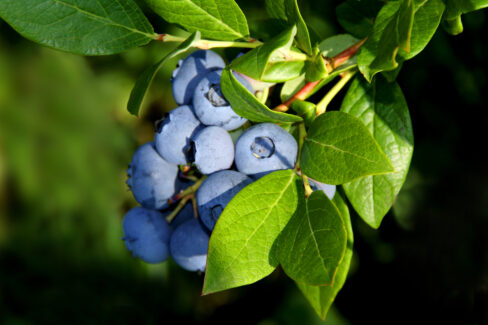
{"x": 196, "y": 133}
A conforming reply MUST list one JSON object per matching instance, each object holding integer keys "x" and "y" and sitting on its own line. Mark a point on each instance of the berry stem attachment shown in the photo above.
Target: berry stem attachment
{"x": 322, "y": 105}
{"x": 207, "y": 44}
{"x": 189, "y": 190}
{"x": 180, "y": 206}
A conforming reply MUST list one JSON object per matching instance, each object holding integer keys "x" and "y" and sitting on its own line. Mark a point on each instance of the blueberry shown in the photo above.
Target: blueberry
{"x": 189, "y": 245}
{"x": 172, "y": 139}
{"x": 210, "y": 106}
{"x": 216, "y": 191}
{"x": 152, "y": 179}
{"x": 146, "y": 234}
{"x": 213, "y": 150}
{"x": 190, "y": 71}
{"x": 264, "y": 148}
{"x": 329, "y": 190}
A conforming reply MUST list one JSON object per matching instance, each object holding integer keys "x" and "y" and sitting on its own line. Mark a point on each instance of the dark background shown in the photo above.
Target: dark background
{"x": 65, "y": 141}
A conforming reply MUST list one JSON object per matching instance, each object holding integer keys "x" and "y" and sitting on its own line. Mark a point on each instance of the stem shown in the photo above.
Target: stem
{"x": 345, "y": 55}
{"x": 322, "y": 105}
{"x": 299, "y": 95}
{"x": 208, "y": 44}
{"x": 178, "y": 208}
{"x": 302, "y": 134}
{"x": 189, "y": 190}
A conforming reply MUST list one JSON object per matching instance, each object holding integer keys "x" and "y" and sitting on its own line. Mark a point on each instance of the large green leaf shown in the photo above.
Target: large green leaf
{"x": 142, "y": 84}
{"x": 357, "y": 16}
{"x": 456, "y": 8}
{"x": 391, "y": 31}
{"x": 255, "y": 62}
{"x": 215, "y": 19}
{"x": 246, "y": 105}
{"x": 322, "y": 297}
{"x": 339, "y": 148}
{"x": 89, "y": 27}
{"x": 276, "y": 9}
{"x": 383, "y": 109}
{"x": 241, "y": 249}
{"x": 312, "y": 245}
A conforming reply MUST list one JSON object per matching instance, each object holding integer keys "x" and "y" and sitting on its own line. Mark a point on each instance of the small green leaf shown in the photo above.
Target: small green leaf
{"x": 456, "y": 8}
{"x": 383, "y": 109}
{"x": 283, "y": 71}
{"x": 215, "y": 19}
{"x": 89, "y": 27}
{"x": 246, "y": 105}
{"x": 255, "y": 62}
{"x": 391, "y": 31}
{"x": 357, "y": 16}
{"x": 142, "y": 84}
{"x": 241, "y": 249}
{"x": 339, "y": 148}
{"x": 312, "y": 245}
{"x": 316, "y": 68}
{"x": 322, "y": 297}
{"x": 295, "y": 18}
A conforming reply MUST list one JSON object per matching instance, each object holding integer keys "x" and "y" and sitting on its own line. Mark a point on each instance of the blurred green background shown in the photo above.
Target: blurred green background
{"x": 66, "y": 140}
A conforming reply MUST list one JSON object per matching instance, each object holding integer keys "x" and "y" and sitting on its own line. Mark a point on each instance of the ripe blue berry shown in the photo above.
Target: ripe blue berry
{"x": 190, "y": 71}
{"x": 216, "y": 191}
{"x": 152, "y": 179}
{"x": 210, "y": 106}
{"x": 213, "y": 150}
{"x": 264, "y": 148}
{"x": 189, "y": 246}
{"x": 146, "y": 234}
{"x": 184, "y": 215}
{"x": 172, "y": 138}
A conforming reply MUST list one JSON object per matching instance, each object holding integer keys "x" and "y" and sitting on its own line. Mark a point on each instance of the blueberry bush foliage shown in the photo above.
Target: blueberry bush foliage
{"x": 365, "y": 146}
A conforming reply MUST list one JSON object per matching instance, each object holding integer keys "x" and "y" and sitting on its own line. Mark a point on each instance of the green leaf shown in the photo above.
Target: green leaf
{"x": 241, "y": 249}
{"x": 142, "y": 84}
{"x": 339, "y": 148}
{"x": 357, "y": 16}
{"x": 322, "y": 297}
{"x": 246, "y": 105}
{"x": 391, "y": 31}
{"x": 295, "y": 18}
{"x": 288, "y": 11}
{"x": 316, "y": 69}
{"x": 89, "y": 27}
{"x": 383, "y": 109}
{"x": 427, "y": 18}
{"x": 255, "y": 62}
{"x": 312, "y": 245}
{"x": 283, "y": 71}
{"x": 456, "y": 8}
{"x": 276, "y": 9}
{"x": 215, "y": 19}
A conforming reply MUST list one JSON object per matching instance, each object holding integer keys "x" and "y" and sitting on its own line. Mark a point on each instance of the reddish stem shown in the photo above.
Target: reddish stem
{"x": 299, "y": 95}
